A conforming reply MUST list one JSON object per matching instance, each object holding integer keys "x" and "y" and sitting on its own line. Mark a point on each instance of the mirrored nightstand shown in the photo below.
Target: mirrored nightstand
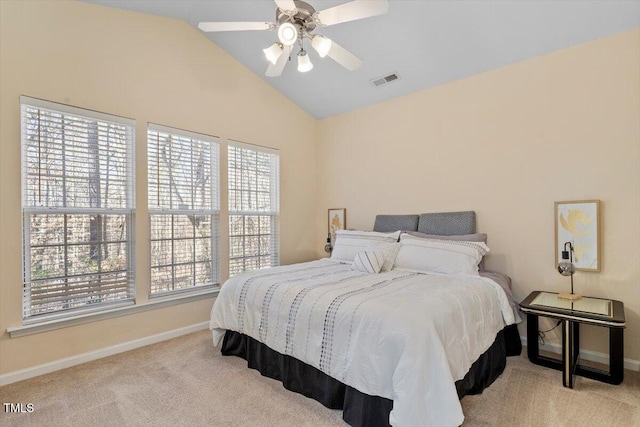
{"x": 592, "y": 311}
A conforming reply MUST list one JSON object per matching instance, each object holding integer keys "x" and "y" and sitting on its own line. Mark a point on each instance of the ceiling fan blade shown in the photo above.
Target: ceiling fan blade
{"x": 343, "y": 57}
{"x": 276, "y": 70}
{"x": 357, "y": 9}
{"x": 288, "y": 5}
{"x": 235, "y": 26}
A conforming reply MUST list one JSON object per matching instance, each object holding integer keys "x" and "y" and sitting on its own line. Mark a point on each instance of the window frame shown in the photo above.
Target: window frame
{"x": 274, "y": 213}
{"x": 28, "y": 210}
{"x": 213, "y": 213}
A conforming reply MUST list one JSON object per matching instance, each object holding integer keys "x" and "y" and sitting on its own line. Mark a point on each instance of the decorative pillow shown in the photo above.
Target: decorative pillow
{"x": 369, "y": 261}
{"x": 390, "y": 252}
{"x": 350, "y": 242}
{"x": 458, "y": 258}
{"x": 476, "y": 237}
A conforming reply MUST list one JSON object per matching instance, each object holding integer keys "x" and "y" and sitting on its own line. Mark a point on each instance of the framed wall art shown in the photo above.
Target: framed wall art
{"x": 337, "y": 220}
{"x": 578, "y": 222}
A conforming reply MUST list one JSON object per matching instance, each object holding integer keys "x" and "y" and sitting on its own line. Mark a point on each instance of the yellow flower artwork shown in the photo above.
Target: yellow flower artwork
{"x": 337, "y": 221}
{"x": 577, "y": 222}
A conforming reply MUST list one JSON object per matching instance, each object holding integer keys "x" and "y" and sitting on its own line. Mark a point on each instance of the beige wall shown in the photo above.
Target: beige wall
{"x": 507, "y": 144}
{"x": 151, "y": 69}
{"x": 499, "y": 143}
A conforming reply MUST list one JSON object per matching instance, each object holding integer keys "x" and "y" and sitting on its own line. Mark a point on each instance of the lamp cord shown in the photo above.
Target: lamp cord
{"x": 541, "y": 334}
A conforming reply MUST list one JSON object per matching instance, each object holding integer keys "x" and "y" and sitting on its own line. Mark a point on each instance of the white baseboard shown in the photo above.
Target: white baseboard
{"x": 592, "y": 356}
{"x": 67, "y": 362}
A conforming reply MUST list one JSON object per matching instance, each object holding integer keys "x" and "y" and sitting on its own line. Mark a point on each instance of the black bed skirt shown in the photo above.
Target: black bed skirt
{"x": 359, "y": 409}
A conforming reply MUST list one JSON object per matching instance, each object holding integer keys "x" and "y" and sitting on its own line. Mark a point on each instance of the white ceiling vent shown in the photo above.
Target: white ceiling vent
{"x": 381, "y": 81}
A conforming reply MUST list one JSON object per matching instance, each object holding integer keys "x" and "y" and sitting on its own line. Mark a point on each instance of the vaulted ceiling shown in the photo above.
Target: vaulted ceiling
{"x": 426, "y": 42}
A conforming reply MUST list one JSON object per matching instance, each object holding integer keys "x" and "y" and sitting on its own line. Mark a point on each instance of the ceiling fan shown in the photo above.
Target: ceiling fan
{"x": 296, "y": 20}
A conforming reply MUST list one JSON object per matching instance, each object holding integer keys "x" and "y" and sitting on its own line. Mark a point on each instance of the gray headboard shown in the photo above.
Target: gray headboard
{"x": 390, "y": 223}
{"x": 442, "y": 223}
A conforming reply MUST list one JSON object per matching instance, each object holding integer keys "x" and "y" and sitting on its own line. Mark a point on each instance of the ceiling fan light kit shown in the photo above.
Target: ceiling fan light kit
{"x": 296, "y": 20}
{"x": 273, "y": 52}
{"x": 288, "y": 34}
{"x": 321, "y": 44}
{"x": 304, "y": 63}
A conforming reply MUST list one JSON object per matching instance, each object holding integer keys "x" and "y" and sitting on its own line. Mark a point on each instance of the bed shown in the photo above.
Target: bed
{"x": 393, "y": 347}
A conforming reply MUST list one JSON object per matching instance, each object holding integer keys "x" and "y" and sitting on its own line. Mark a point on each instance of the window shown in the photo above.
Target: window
{"x": 253, "y": 207}
{"x": 78, "y": 206}
{"x": 184, "y": 209}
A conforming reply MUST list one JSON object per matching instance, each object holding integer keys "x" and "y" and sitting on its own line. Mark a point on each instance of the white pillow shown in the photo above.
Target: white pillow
{"x": 350, "y": 242}
{"x": 457, "y": 258}
{"x": 369, "y": 261}
{"x": 390, "y": 253}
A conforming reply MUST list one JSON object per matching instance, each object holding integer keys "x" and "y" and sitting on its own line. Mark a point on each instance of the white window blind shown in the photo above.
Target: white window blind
{"x": 253, "y": 207}
{"x": 78, "y": 205}
{"x": 184, "y": 207}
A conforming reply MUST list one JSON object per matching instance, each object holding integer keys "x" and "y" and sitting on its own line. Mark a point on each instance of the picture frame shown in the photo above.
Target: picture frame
{"x": 578, "y": 222}
{"x": 336, "y": 220}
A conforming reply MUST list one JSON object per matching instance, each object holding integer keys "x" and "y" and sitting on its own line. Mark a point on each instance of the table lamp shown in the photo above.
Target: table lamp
{"x": 567, "y": 268}
{"x": 328, "y": 248}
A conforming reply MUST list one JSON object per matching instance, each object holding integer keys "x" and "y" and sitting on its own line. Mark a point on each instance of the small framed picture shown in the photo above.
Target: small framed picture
{"x": 337, "y": 220}
{"x": 578, "y": 222}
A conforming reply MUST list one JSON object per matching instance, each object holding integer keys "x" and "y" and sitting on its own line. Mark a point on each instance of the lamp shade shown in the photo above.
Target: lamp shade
{"x": 321, "y": 44}
{"x": 304, "y": 63}
{"x": 273, "y": 52}
{"x": 287, "y": 34}
{"x": 566, "y": 268}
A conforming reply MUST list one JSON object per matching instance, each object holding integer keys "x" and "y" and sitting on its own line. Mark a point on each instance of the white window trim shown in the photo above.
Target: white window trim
{"x": 214, "y": 212}
{"x": 254, "y": 147}
{"x": 274, "y": 213}
{"x": 130, "y": 212}
{"x": 77, "y": 111}
{"x": 51, "y": 324}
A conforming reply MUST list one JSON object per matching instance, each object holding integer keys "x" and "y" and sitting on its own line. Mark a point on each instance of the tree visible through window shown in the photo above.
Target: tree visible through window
{"x": 184, "y": 209}
{"x": 77, "y": 206}
{"x": 253, "y": 207}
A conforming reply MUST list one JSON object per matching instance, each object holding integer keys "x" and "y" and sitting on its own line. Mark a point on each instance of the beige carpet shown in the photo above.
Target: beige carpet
{"x": 184, "y": 382}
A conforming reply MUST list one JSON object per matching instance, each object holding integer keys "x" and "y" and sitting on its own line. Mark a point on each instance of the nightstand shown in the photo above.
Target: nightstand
{"x": 591, "y": 311}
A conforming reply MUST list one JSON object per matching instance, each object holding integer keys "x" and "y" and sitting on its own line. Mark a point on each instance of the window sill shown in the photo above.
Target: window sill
{"x": 160, "y": 302}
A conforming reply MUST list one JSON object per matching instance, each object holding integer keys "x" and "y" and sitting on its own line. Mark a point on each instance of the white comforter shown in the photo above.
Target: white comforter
{"x": 400, "y": 335}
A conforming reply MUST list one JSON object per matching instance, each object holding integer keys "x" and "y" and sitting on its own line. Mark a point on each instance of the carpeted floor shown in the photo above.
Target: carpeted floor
{"x": 184, "y": 382}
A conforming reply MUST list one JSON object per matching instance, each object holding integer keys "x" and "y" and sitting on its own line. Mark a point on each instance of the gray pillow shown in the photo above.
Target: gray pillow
{"x": 475, "y": 237}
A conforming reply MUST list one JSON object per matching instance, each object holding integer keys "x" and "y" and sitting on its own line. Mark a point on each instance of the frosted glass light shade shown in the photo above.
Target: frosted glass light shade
{"x": 287, "y": 34}
{"x": 321, "y": 44}
{"x": 273, "y": 52}
{"x": 304, "y": 63}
